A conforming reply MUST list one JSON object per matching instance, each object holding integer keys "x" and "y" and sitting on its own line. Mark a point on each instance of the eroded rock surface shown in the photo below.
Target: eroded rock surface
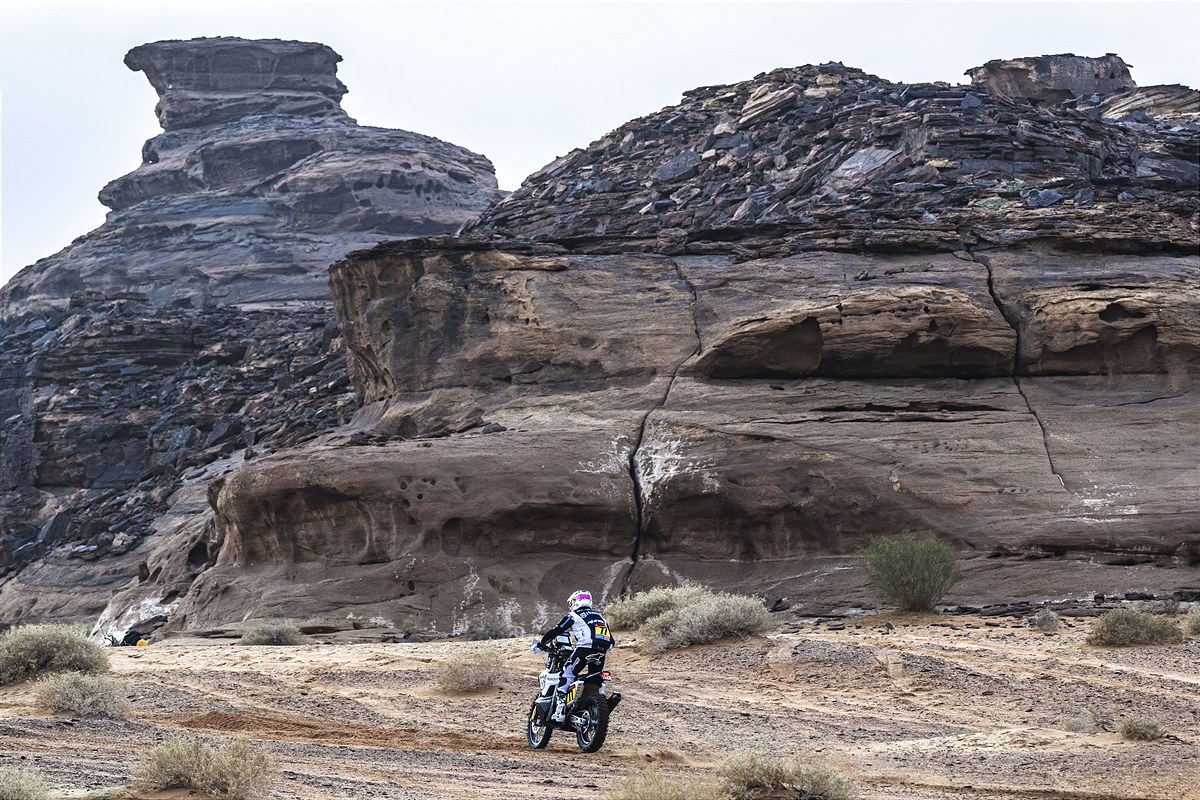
{"x": 194, "y": 329}
{"x": 735, "y": 339}
{"x": 830, "y": 158}
{"x": 258, "y": 183}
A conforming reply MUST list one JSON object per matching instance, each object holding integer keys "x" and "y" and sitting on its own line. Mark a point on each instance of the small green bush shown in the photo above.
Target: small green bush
{"x": 636, "y": 610}
{"x": 1123, "y": 627}
{"x": 84, "y": 695}
{"x": 1142, "y": 730}
{"x": 36, "y": 650}
{"x": 1192, "y": 621}
{"x": 276, "y": 634}
{"x": 712, "y": 617}
{"x": 650, "y": 784}
{"x": 473, "y": 670}
{"x": 1045, "y": 620}
{"x": 235, "y": 770}
{"x": 22, "y": 784}
{"x": 747, "y": 775}
{"x": 1082, "y": 721}
{"x": 912, "y": 573}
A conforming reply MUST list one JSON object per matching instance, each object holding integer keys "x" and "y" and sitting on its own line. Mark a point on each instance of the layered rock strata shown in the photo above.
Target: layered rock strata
{"x": 609, "y": 416}
{"x": 734, "y": 340}
{"x": 194, "y": 329}
{"x": 257, "y": 184}
{"x": 108, "y": 415}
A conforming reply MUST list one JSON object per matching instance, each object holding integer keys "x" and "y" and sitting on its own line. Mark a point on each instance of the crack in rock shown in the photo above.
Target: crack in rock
{"x": 639, "y": 497}
{"x": 1016, "y": 362}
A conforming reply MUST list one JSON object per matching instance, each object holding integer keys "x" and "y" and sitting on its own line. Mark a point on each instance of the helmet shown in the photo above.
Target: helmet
{"x": 580, "y": 599}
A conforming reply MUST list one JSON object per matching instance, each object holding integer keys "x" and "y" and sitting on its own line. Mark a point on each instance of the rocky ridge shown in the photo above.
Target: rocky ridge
{"x": 831, "y": 158}
{"x": 733, "y": 340}
{"x": 258, "y": 182}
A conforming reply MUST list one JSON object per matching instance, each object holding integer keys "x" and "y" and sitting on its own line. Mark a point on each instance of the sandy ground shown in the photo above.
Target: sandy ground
{"x": 933, "y": 709}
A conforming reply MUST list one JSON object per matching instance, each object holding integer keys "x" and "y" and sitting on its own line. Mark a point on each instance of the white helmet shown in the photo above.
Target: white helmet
{"x": 580, "y": 599}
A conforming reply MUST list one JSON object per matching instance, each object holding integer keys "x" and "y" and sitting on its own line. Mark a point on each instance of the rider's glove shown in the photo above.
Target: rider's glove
{"x": 535, "y": 646}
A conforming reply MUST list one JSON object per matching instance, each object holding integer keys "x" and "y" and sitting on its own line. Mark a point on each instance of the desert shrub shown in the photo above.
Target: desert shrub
{"x": 650, "y": 784}
{"x": 474, "y": 669}
{"x": 22, "y": 784}
{"x": 1045, "y": 620}
{"x": 274, "y": 634}
{"x": 488, "y": 626}
{"x": 36, "y": 650}
{"x": 1082, "y": 721}
{"x": 746, "y": 775}
{"x": 1140, "y": 729}
{"x": 1192, "y": 621}
{"x": 1123, "y": 627}
{"x": 912, "y": 573}
{"x": 232, "y": 771}
{"x": 1168, "y": 607}
{"x": 712, "y": 617}
{"x": 634, "y": 611}
{"x": 85, "y": 695}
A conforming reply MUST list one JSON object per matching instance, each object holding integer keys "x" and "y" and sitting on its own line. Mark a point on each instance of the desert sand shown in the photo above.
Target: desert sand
{"x": 933, "y": 708}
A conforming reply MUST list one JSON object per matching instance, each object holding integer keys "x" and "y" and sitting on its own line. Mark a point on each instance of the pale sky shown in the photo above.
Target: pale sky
{"x": 521, "y": 83}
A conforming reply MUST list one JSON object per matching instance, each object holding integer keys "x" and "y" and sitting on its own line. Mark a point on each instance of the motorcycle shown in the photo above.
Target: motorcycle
{"x": 587, "y": 705}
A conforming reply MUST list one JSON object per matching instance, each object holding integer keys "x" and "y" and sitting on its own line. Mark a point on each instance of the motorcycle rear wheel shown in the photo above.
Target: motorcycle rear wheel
{"x": 538, "y": 734}
{"x": 593, "y": 726}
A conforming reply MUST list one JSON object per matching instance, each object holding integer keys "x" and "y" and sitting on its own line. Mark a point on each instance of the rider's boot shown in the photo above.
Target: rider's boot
{"x": 560, "y": 705}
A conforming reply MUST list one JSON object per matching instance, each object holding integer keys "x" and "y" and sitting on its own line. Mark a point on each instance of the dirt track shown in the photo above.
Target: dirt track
{"x": 964, "y": 708}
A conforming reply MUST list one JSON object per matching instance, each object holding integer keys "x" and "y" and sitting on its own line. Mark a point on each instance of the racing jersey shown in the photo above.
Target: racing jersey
{"x": 588, "y": 629}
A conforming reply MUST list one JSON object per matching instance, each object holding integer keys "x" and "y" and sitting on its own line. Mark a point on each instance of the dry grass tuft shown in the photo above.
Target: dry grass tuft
{"x": 1141, "y": 730}
{"x": 84, "y": 695}
{"x": 234, "y": 770}
{"x": 1122, "y": 628}
{"x": 713, "y": 617}
{"x": 489, "y": 626}
{"x": 749, "y": 775}
{"x": 650, "y": 784}
{"x": 36, "y": 650}
{"x": 1191, "y": 622}
{"x": 1082, "y": 721}
{"x": 274, "y": 634}
{"x": 682, "y": 615}
{"x": 22, "y": 784}
{"x": 476, "y": 669}
{"x": 636, "y": 610}
{"x": 1046, "y": 621}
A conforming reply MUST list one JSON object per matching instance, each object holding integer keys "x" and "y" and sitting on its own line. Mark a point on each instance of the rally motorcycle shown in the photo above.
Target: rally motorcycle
{"x": 587, "y": 706}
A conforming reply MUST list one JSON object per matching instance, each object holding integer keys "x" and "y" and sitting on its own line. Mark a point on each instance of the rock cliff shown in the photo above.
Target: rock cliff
{"x": 194, "y": 329}
{"x": 258, "y": 182}
{"x": 733, "y": 340}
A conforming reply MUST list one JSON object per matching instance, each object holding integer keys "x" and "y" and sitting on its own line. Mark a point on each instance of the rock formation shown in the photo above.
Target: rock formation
{"x": 194, "y": 329}
{"x": 258, "y": 182}
{"x": 733, "y": 340}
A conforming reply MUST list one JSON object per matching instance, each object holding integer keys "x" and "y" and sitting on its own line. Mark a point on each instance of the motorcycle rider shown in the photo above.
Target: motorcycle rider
{"x": 590, "y": 635}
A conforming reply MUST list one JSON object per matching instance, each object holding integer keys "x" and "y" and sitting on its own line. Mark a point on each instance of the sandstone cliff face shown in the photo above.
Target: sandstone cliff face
{"x": 733, "y": 340}
{"x": 194, "y": 329}
{"x": 257, "y": 184}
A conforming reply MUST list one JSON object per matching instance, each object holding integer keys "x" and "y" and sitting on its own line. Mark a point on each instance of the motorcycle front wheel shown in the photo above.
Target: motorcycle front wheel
{"x": 538, "y": 733}
{"x": 593, "y": 724}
